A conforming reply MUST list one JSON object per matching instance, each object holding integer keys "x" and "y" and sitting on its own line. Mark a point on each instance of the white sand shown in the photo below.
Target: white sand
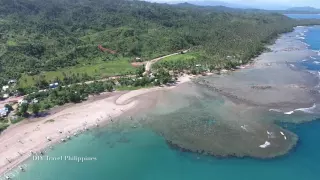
{"x": 19, "y": 140}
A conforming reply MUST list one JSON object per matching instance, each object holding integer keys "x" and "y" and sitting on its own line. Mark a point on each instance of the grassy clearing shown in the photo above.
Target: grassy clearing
{"x": 11, "y": 43}
{"x": 3, "y": 126}
{"x": 15, "y": 121}
{"x": 102, "y": 69}
{"x": 180, "y": 57}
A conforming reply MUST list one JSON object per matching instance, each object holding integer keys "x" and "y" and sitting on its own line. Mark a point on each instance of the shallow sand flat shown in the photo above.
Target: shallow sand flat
{"x": 229, "y": 115}
{"x": 211, "y": 124}
{"x": 273, "y": 81}
{"x": 31, "y": 135}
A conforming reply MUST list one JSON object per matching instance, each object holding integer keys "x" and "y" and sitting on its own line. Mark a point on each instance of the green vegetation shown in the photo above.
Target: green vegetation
{"x": 16, "y": 120}
{"x": 70, "y": 42}
{"x": 3, "y": 126}
{"x": 180, "y": 57}
{"x": 52, "y": 37}
{"x": 99, "y": 70}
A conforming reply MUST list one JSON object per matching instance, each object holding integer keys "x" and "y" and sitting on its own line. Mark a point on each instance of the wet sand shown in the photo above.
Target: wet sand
{"x": 236, "y": 114}
{"x": 17, "y": 142}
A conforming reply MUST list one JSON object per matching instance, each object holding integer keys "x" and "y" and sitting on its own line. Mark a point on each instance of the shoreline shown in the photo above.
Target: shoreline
{"x": 273, "y": 72}
{"x": 18, "y": 140}
{"x": 248, "y": 94}
{"x": 119, "y": 102}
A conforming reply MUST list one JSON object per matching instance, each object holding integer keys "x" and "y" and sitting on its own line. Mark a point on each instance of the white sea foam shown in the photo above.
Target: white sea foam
{"x": 306, "y": 110}
{"x": 312, "y": 57}
{"x": 275, "y": 110}
{"x": 244, "y": 127}
{"x": 266, "y": 144}
{"x": 289, "y": 112}
{"x": 316, "y": 62}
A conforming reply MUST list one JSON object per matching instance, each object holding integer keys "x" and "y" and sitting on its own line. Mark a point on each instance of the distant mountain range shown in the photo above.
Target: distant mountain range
{"x": 219, "y": 3}
{"x": 230, "y": 5}
{"x": 304, "y": 9}
{"x": 282, "y": 9}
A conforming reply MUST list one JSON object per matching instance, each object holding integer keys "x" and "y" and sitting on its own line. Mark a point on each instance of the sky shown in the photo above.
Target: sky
{"x": 263, "y": 4}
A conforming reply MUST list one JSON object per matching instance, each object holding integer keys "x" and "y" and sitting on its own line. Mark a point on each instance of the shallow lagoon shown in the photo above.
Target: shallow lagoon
{"x": 123, "y": 153}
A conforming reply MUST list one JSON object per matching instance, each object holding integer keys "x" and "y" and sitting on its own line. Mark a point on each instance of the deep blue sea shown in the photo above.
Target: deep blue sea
{"x": 140, "y": 154}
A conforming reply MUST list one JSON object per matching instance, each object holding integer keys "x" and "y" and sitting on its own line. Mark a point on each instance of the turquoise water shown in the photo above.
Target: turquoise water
{"x": 143, "y": 155}
{"x": 140, "y": 154}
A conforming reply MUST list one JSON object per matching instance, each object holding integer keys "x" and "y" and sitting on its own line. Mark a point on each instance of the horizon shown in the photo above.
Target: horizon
{"x": 259, "y": 4}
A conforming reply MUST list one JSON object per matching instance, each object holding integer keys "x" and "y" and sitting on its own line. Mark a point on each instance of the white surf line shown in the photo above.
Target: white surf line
{"x": 244, "y": 127}
{"x": 288, "y": 113}
{"x": 285, "y": 137}
{"x": 265, "y": 145}
{"x": 316, "y": 62}
{"x": 306, "y": 110}
{"x": 275, "y": 110}
{"x": 270, "y": 135}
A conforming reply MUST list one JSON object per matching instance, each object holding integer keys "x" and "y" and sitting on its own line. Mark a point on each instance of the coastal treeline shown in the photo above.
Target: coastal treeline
{"x": 46, "y": 35}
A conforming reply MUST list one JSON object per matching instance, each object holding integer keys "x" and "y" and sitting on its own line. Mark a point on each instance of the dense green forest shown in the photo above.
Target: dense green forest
{"x": 47, "y": 35}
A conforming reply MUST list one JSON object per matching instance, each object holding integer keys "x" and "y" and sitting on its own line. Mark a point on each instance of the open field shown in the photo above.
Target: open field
{"x": 180, "y": 57}
{"x": 102, "y": 69}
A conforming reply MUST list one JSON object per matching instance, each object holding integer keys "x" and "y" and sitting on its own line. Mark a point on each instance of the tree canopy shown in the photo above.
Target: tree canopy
{"x": 45, "y": 35}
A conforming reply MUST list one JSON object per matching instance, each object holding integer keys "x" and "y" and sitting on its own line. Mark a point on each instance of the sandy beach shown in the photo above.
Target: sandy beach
{"x": 31, "y": 135}
{"x": 240, "y": 131}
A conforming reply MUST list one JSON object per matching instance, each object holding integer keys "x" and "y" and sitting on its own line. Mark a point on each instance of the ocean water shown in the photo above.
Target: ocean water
{"x": 142, "y": 155}
{"x": 120, "y": 152}
{"x": 304, "y": 16}
{"x": 312, "y": 38}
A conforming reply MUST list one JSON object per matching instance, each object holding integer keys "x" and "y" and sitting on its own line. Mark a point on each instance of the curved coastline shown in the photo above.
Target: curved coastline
{"x": 64, "y": 121}
{"x": 129, "y": 100}
{"x": 245, "y": 126}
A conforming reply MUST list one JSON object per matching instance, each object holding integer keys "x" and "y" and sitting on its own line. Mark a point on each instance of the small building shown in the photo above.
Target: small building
{"x": 5, "y": 96}
{"x": 4, "y": 88}
{"x": 4, "y": 112}
{"x": 34, "y": 101}
{"x": 22, "y": 101}
{"x": 12, "y": 81}
{"x": 198, "y": 65}
{"x": 54, "y": 85}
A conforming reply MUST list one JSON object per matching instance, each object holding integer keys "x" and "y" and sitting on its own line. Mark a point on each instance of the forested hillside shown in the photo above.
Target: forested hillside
{"x": 46, "y": 35}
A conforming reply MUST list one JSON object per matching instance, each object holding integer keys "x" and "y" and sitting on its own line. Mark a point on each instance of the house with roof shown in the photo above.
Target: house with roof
{"x": 5, "y": 96}
{"x": 12, "y": 81}
{"x": 4, "y": 88}
{"x": 4, "y": 112}
{"x": 54, "y": 85}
